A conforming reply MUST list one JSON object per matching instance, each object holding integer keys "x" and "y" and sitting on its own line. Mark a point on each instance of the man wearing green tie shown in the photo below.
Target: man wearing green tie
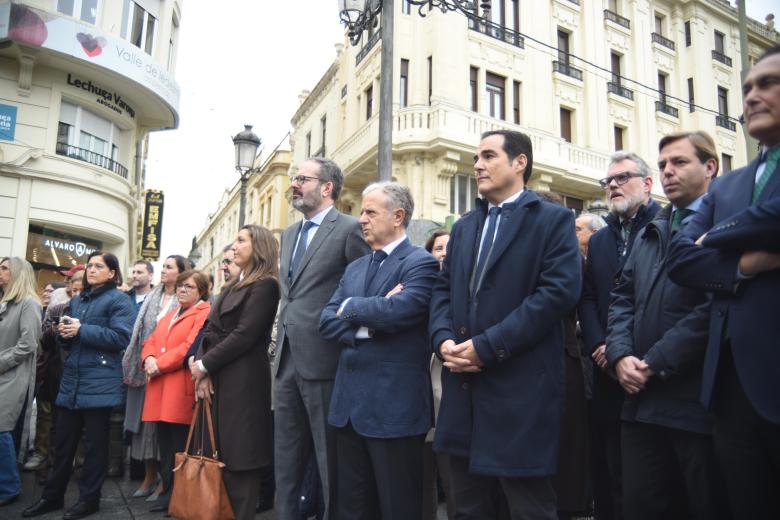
{"x": 730, "y": 249}
{"x": 656, "y": 338}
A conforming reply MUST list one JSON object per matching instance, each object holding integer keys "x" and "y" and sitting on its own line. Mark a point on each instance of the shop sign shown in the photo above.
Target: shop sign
{"x": 7, "y": 122}
{"x": 58, "y": 249}
{"x": 153, "y": 214}
{"x": 108, "y": 98}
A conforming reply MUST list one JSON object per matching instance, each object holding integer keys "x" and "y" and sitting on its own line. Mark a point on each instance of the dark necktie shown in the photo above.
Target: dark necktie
{"x": 376, "y": 260}
{"x": 487, "y": 243}
{"x": 770, "y": 166}
{"x": 678, "y": 217}
{"x": 300, "y": 250}
{"x": 625, "y": 234}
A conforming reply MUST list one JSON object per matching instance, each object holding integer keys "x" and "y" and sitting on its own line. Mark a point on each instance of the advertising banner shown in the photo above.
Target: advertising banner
{"x": 7, "y": 122}
{"x": 153, "y": 214}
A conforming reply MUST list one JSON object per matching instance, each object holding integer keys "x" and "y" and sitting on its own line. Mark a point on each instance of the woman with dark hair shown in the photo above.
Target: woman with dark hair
{"x": 94, "y": 333}
{"x": 157, "y": 304}
{"x": 20, "y": 330}
{"x": 437, "y": 244}
{"x": 170, "y": 392}
{"x": 233, "y": 366}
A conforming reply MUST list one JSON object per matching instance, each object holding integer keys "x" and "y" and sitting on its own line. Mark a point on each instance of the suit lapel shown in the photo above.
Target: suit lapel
{"x": 325, "y": 229}
{"x": 743, "y": 189}
{"x": 288, "y": 242}
{"x": 470, "y": 236}
{"x": 388, "y": 267}
{"x": 508, "y": 228}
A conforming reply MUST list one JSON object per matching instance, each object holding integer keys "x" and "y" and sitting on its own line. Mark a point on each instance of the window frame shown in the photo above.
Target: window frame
{"x": 78, "y": 7}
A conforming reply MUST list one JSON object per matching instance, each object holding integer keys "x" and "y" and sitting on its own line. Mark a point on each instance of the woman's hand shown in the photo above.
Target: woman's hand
{"x": 150, "y": 366}
{"x": 204, "y": 389}
{"x": 69, "y": 327}
{"x": 197, "y": 373}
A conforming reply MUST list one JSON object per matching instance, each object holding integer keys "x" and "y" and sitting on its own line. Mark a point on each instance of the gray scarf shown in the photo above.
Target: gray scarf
{"x": 145, "y": 323}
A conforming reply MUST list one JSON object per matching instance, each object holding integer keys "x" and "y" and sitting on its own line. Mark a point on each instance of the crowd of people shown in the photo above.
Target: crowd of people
{"x": 524, "y": 364}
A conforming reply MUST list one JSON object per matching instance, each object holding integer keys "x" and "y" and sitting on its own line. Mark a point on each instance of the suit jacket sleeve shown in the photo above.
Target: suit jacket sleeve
{"x": 30, "y": 333}
{"x": 620, "y": 321}
{"x": 703, "y": 268}
{"x": 440, "y": 327}
{"x": 556, "y": 293}
{"x": 406, "y": 309}
{"x": 756, "y": 228}
{"x": 116, "y": 335}
{"x": 257, "y": 318}
{"x": 331, "y": 327}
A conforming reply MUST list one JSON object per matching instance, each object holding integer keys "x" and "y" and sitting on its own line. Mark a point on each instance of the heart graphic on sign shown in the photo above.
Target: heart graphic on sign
{"x": 92, "y": 46}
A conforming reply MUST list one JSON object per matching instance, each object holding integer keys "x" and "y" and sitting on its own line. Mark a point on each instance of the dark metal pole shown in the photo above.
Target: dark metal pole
{"x": 385, "y": 151}
{"x": 241, "y": 211}
{"x": 751, "y": 145}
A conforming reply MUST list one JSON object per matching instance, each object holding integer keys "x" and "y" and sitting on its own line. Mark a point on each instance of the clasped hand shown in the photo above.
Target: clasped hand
{"x": 204, "y": 388}
{"x": 68, "y": 327}
{"x": 461, "y": 357}
{"x": 150, "y": 367}
{"x": 632, "y": 374}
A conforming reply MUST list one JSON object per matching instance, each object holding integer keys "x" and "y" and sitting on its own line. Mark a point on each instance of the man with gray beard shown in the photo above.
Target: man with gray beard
{"x": 627, "y": 187}
{"x": 314, "y": 253}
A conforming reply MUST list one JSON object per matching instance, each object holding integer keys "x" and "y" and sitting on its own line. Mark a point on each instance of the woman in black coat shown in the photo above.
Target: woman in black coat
{"x": 232, "y": 366}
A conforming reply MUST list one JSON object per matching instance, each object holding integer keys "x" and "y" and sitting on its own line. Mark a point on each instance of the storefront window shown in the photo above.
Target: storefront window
{"x": 54, "y": 250}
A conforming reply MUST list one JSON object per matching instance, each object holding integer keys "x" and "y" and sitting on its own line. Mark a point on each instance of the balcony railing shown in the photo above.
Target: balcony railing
{"x": 719, "y": 56}
{"x": 368, "y": 46}
{"x": 662, "y": 40}
{"x": 496, "y": 31}
{"x": 620, "y": 90}
{"x": 567, "y": 70}
{"x": 92, "y": 158}
{"x": 661, "y": 106}
{"x": 725, "y": 122}
{"x": 614, "y": 17}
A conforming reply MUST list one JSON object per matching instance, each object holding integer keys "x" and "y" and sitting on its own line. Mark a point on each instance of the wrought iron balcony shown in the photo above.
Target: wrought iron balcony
{"x": 661, "y": 106}
{"x": 567, "y": 70}
{"x": 725, "y": 122}
{"x": 614, "y": 17}
{"x": 91, "y": 157}
{"x": 496, "y": 31}
{"x": 620, "y": 90}
{"x": 368, "y": 46}
{"x": 719, "y": 56}
{"x": 662, "y": 40}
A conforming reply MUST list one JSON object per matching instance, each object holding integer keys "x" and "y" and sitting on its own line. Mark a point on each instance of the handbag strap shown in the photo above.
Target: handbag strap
{"x": 192, "y": 426}
{"x": 207, "y": 409}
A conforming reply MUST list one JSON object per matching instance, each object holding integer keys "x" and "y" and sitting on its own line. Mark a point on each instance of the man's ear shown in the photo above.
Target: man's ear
{"x": 520, "y": 162}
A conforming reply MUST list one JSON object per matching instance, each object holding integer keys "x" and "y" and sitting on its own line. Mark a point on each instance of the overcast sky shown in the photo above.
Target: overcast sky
{"x": 243, "y": 62}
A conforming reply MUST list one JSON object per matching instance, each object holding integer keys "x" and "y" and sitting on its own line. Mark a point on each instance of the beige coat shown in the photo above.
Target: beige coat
{"x": 20, "y": 331}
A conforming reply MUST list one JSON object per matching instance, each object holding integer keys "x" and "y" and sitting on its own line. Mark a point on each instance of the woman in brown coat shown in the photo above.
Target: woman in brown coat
{"x": 232, "y": 366}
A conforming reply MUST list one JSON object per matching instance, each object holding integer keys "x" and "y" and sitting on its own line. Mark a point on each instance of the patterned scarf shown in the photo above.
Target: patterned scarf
{"x": 145, "y": 323}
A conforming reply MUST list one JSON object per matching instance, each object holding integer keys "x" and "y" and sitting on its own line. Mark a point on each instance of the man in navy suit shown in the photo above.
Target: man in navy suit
{"x": 511, "y": 274}
{"x": 381, "y": 402}
{"x": 730, "y": 249}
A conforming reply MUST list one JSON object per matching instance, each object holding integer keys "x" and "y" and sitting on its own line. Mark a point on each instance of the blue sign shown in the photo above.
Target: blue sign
{"x": 7, "y": 122}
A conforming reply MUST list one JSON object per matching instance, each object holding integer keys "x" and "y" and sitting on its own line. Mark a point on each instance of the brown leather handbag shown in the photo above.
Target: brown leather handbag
{"x": 198, "y": 489}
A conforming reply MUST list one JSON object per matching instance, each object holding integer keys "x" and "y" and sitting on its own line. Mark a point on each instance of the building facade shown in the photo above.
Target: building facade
{"x": 266, "y": 205}
{"x": 582, "y": 79}
{"x": 82, "y": 83}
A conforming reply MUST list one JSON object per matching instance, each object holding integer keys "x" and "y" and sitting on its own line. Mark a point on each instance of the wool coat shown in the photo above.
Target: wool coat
{"x": 234, "y": 351}
{"x": 171, "y": 395}
{"x": 20, "y": 330}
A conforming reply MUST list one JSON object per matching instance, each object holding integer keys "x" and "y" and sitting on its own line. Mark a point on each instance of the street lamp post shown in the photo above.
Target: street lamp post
{"x": 246, "y": 144}
{"x": 360, "y": 15}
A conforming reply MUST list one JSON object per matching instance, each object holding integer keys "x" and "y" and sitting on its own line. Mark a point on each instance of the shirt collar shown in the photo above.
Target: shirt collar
{"x": 511, "y": 198}
{"x": 389, "y": 248}
{"x": 319, "y": 217}
{"x": 693, "y": 206}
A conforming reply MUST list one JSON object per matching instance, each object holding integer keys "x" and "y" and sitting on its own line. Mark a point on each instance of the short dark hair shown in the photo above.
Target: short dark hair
{"x": 227, "y": 248}
{"x": 432, "y": 239}
{"x": 112, "y": 262}
{"x": 330, "y": 172}
{"x": 550, "y": 196}
{"x": 181, "y": 262}
{"x": 771, "y": 51}
{"x": 201, "y": 281}
{"x": 147, "y": 263}
{"x": 516, "y": 143}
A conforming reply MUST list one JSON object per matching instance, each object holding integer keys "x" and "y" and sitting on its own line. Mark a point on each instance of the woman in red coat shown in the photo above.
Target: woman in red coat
{"x": 170, "y": 393}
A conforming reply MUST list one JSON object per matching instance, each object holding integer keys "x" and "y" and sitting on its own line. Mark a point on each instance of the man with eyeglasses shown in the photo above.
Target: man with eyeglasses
{"x": 627, "y": 187}
{"x": 229, "y": 269}
{"x": 314, "y": 253}
{"x": 731, "y": 249}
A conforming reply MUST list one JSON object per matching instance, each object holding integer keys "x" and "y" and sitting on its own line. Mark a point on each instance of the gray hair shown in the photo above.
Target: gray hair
{"x": 330, "y": 172}
{"x": 227, "y": 248}
{"x": 398, "y": 196}
{"x": 596, "y": 222}
{"x": 624, "y": 155}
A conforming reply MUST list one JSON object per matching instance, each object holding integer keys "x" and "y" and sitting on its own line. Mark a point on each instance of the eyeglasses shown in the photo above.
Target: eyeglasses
{"x": 620, "y": 178}
{"x": 301, "y": 179}
{"x": 187, "y": 287}
{"x": 226, "y": 261}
